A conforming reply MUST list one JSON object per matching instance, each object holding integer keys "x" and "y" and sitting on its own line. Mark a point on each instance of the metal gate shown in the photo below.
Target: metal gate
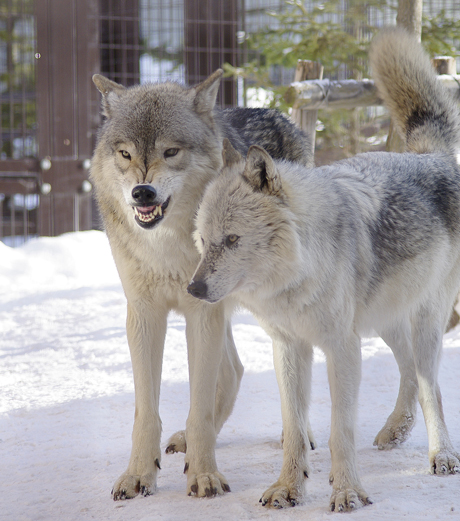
{"x": 49, "y": 112}
{"x": 18, "y": 132}
{"x": 49, "y": 49}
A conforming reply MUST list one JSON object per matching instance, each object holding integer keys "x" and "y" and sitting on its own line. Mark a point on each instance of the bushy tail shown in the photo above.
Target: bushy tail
{"x": 422, "y": 109}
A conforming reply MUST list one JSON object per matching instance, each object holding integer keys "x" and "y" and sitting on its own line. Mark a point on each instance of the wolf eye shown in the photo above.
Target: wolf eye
{"x": 171, "y": 152}
{"x": 231, "y": 240}
{"x": 125, "y": 154}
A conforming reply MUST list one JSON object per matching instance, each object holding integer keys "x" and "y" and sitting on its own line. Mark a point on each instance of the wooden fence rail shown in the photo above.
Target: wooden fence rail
{"x": 346, "y": 94}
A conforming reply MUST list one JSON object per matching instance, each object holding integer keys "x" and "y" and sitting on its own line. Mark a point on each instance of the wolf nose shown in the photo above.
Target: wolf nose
{"x": 198, "y": 289}
{"x": 144, "y": 195}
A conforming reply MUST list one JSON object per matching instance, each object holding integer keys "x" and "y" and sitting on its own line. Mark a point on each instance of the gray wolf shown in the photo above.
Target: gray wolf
{"x": 324, "y": 255}
{"x": 158, "y": 148}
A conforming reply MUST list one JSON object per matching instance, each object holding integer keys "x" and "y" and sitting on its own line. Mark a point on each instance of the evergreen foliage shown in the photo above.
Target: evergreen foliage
{"x": 337, "y": 34}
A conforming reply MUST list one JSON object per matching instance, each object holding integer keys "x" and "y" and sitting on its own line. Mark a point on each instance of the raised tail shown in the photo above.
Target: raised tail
{"x": 423, "y": 110}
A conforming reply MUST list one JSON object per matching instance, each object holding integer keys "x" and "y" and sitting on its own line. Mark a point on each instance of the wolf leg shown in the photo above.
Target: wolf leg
{"x": 146, "y": 330}
{"x": 293, "y": 371}
{"x": 399, "y": 424}
{"x": 427, "y": 334}
{"x": 344, "y": 372}
{"x": 311, "y": 436}
{"x": 228, "y": 383}
{"x": 206, "y": 332}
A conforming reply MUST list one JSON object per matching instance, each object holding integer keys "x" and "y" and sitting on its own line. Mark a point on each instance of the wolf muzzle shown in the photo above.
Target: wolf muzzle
{"x": 198, "y": 289}
{"x": 148, "y": 211}
{"x": 144, "y": 195}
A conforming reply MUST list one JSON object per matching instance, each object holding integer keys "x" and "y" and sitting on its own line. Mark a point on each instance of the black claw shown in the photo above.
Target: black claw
{"x": 157, "y": 463}
{"x": 120, "y": 495}
{"x": 186, "y": 468}
{"x": 312, "y": 446}
{"x": 170, "y": 449}
{"x": 293, "y": 502}
{"x": 305, "y": 473}
{"x": 208, "y": 492}
{"x": 276, "y": 504}
{"x": 226, "y": 487}
{"x": 332, "y": 507}
{"x": 145, "y": 491}
{"x": 194, "y": 489}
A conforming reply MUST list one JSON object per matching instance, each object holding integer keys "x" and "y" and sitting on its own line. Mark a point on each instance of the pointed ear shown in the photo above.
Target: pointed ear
{"x": 230, "y": 156}
{"x": 206, "y": 92}
{"x": 110, "y": 93}
{"x": 261, "y": 172}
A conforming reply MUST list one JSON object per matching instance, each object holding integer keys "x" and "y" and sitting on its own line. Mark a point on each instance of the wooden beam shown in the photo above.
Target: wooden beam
{"x": 346, "y": 94}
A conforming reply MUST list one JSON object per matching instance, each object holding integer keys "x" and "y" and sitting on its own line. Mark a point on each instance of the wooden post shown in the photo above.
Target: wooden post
{"x": 306, "y": 119}
{"x": 445, "y": 65}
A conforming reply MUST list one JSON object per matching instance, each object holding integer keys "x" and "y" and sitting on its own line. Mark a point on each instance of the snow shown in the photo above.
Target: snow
{"x": 67, "y": 406}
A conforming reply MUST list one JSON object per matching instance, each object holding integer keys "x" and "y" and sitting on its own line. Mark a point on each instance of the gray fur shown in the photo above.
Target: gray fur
{"x": 324, "y": 255}
{"x": 158, "y": 148}
{"x": 418, "y": 104}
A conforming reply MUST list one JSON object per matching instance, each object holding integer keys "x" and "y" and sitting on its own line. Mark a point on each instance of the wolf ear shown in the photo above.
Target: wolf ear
{"x": 206, "y": 92}
{"x": 261, "y": 172}
{"x": 230, "y": 156}
{"x": 110, "y": 92}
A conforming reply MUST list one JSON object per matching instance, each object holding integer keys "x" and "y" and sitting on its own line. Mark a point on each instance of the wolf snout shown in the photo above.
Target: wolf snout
{"x": 144, "y": 195}
{"x": 198, "y": 289}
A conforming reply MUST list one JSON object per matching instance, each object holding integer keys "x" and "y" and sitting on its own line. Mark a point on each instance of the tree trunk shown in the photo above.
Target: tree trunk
{"x": 410, "y": 17}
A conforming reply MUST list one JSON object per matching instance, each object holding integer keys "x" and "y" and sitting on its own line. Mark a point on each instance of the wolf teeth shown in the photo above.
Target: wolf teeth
{"x": 147, "y": 217}
{"x": 147, "y": 214}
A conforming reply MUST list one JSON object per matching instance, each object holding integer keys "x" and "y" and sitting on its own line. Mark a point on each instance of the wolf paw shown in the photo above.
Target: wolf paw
{"x": 395, "y": 431}
{"x": 349, "y": 499}
{"x": 281, "y": 496}
{"x": 128, "y": 486}
{"x": 206, "y": 485}
{"x": 445, "y": 462}
{"x": 177, "y": 443}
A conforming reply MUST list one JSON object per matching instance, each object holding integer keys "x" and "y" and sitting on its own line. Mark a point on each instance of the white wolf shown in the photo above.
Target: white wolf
{"x": 324, "y": 255}
{"x": 157, "y": 149}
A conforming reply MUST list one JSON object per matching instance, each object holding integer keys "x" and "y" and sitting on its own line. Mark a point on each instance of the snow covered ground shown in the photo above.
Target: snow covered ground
{"x": 67, "y": 405}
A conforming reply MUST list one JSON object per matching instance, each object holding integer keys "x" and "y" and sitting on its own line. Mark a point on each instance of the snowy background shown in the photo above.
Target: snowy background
{"x": 67, "y": 406}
